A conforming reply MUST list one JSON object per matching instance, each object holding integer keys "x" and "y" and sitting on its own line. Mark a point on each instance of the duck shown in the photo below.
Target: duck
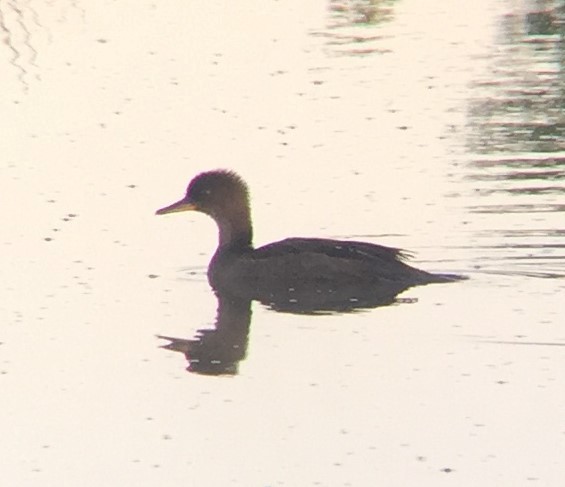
{"x": 297, "y": 263}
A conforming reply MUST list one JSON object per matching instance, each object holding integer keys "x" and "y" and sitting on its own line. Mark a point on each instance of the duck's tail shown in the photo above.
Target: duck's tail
{"x": 447, "y": 277}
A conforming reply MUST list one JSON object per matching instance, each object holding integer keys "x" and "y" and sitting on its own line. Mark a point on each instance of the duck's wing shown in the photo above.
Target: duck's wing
{"x": 344, "y": 260}
{"x": 341, "y": 249}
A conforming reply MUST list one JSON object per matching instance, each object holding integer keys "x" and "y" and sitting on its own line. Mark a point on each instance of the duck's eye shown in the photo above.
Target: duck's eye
{"x": 207, "y": 192}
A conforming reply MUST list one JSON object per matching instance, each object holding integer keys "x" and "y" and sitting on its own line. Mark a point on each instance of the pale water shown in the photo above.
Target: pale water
{"x": 433, "y": 126}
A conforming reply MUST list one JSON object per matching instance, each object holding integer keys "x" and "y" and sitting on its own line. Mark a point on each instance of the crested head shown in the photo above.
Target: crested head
{"x": 223, "y": 195}
{"x": 213, "y": 190}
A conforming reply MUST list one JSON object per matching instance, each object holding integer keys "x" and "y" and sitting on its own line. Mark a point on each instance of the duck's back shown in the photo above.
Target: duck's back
{"x": 300, "y": 261}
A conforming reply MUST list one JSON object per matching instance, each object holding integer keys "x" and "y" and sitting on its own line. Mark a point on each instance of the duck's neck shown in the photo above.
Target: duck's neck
{"x": 235, "y": 230}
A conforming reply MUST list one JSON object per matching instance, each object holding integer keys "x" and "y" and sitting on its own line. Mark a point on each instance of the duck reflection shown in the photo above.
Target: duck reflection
{"x": 218, "y": 351}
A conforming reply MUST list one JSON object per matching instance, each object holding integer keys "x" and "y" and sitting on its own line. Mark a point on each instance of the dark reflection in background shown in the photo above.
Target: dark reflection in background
{"x": 353, "y": 26}
{"x": 516, "y": 134}
{"x": 521, "y": 104}
{"x": 360, "y": 12}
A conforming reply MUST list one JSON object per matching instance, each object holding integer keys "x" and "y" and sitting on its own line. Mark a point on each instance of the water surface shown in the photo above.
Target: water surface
{"x": 436, "y": 127}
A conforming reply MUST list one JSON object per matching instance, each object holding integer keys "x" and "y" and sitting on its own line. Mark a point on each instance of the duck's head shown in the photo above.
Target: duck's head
{"x": 216, "y": 193}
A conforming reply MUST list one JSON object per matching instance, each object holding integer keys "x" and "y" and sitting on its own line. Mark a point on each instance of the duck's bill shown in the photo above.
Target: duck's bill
{"x": 181, "y": 205}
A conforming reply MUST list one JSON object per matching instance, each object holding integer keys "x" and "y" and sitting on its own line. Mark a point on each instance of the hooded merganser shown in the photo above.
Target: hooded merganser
{"x": 293, "y": 262}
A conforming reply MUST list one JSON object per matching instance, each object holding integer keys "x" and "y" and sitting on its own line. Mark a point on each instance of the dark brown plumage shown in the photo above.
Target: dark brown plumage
{"x": 294, "y": 263}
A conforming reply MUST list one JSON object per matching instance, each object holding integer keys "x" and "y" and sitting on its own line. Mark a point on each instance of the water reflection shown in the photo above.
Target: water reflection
{"x": 17, "y": 38}
{"x": 24, "y": 29}
{"x": 218, "y": 351}
{"x": 528, "y": 176}
{"x": 516, "y": 133}
{"x": 353, "y": 26}
{"x": 360, "y": 12}
{"x": 518, "y": 206}
{"x": 520, "y": 107}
